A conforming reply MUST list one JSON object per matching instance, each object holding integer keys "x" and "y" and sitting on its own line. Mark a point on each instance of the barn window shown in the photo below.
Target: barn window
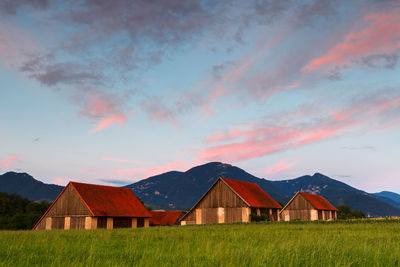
{"x": 102, "y": 222}
{"x": 121, "y": 222}
{"x": 140, "y": 222}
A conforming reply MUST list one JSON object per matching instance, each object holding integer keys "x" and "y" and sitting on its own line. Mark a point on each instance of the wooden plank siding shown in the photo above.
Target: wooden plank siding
{"x": 70, "y": 211}
{"x": 302, "y": 209}
{"x": 219, "y": 196}
{"x": 68, "y": 204}
{"x": 77, "y": 222}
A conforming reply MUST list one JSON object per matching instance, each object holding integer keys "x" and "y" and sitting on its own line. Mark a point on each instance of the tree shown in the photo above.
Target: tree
{"x": 344, "y": 212}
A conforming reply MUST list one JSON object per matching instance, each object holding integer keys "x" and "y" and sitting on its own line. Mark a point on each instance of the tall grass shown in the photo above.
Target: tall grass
{"x": 359, "y": 243}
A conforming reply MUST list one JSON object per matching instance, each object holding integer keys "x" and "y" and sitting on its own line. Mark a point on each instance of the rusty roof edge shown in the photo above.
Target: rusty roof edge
{"x": 76, "y": 190}
{"x": 290, "y": 201}
{"x": 200, "y": 199}
{"x": 41, "y": 218}
{"x": 222, "y": 178}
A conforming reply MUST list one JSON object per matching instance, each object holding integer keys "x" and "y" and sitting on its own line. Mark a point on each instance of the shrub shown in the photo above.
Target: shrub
{"x": 259, "y": 218}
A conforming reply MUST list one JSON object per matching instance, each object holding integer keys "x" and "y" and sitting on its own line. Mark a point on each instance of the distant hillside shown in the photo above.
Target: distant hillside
{"x": 338, "y": 193}
{"x": 26, "y": 186}
{"x": 389, "y": 197}
{"x": 180, "y": 190}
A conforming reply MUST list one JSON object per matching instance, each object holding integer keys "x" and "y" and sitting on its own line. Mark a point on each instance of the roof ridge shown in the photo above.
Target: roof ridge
{"x": 241, "y": 181}
{"x": 99, "y": 185}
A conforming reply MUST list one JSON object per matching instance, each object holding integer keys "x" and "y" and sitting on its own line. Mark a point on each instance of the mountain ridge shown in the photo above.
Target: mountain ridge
{"x": 180, "y": 190}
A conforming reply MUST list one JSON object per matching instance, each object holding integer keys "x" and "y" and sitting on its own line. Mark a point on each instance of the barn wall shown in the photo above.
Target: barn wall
{"x": 220, "y": 196}
{"x": 57, "y": 223}
{"x": 77, "y": 222}
{"x": 68, "y": 204}
{"x": 299, "y": 208}
{"x": 233, "y": 214}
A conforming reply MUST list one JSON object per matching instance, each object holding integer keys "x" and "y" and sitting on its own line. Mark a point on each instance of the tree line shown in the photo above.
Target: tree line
{"x": 19, "y": 213}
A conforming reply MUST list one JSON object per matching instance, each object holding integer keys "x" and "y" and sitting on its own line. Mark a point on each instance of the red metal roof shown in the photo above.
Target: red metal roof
{"x": 252, "y": 194}
{"x": 110, "y": 201}
{"x": 318, "y": 202}
{"x": 165, "y": 217}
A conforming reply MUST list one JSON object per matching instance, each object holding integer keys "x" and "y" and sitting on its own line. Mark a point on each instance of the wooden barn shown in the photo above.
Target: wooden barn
{"x": 163, "y": 218}
{"x": 308, "y": 207}
{"x": 88, "y": 206}
{"x": 229, "y": 201}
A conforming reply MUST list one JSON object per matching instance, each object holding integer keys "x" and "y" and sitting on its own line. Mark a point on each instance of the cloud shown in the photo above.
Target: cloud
{"x": 380, "y": 36}
{"x": 141, "y": 173}
{"x": 66, "y": 73}
{"x": 108, "y": 121}
{"x": 9, "y": 161}
{"x": 116, "y": 182}
{"x": 11, "y": 7}
{"x": 311, "y": 12}
{"x": 158, "y": 111}
{"x": 279, "y": 167}
{"x": 60, "y": 181}
{"x": 244, "y": 143}
{"x": 387, "y": 61}
{"x": 104, "y": 108}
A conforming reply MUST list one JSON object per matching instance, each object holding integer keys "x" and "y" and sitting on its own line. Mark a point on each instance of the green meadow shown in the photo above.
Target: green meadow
{"x": 341, "y": 243}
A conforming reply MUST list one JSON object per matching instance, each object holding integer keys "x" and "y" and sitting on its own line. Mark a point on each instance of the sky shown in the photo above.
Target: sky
{"x": 112, "y": 92}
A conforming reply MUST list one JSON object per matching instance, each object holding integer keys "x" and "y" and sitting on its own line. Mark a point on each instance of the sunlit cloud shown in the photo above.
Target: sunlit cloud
{"x": 140, "y": 173}
{"x": 259, "y": 140}
{"x": 280, "y": 167}
{"x": 9, "y": 161}
{"x": 379, "y": 35}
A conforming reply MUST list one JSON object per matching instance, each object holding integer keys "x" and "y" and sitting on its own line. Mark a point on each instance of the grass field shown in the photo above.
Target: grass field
{"x": 358, "y": 243}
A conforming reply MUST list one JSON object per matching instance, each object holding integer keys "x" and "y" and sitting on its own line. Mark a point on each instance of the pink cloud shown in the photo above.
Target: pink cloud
{"x": 108, "y": 121}
{"x": 157, "y": 111}
{"x": 146, "y": 172}
{"x": 279, "y": 167}
{"x": 263, "y": 139}
{"x": 59, "y": 181}
{"x": 105, "y": 109}
{"x": 15, "y": 44}
{"x": 9, "y": 161}
{"x": 380, "y": 35}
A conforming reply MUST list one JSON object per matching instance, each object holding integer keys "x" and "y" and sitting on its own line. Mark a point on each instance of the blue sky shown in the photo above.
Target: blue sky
{"x": 115, "y": 91}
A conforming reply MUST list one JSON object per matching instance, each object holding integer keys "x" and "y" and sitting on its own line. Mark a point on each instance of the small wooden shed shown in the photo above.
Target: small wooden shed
{"x": 163, "y": 218}
{"x": 229, "y": 201}
{"x": 308, "y": 207}
{"x": 89, "y": 206}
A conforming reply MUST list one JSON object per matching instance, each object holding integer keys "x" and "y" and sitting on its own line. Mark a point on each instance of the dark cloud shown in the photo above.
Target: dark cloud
{"x": 156, "y": 110}
{"x": 268, "y": 11}
{"x": 68, "y": 73}
{"x": 335, "y": 74}
{"x": 217, "y": 70}
{"x": 11, "y": 6}
{"x": 115, "y": 182}
{"x": 314, "y": 11}
{"x": 387, "y": 61}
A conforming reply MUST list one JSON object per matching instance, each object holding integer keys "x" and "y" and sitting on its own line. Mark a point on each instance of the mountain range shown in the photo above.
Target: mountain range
{"x": 180, "y": 190}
